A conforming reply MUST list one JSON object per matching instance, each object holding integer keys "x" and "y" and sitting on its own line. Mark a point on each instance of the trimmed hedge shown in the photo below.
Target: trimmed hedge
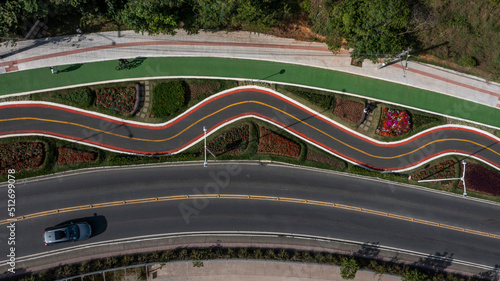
{"x": 168, "y": 98}
{"x": 84, "y": 96}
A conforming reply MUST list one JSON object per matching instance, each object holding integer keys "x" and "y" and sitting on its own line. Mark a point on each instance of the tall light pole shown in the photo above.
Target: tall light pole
{"x": 205, "y": 132}
{"x": 399, "y": 57}
{"x": 462, "y": 179}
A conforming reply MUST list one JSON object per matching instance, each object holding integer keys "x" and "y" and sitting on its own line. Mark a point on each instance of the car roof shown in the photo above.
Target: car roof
{"x": 58, "y": 234}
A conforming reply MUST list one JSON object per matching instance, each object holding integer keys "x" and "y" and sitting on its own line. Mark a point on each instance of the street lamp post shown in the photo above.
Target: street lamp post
{"x": 205, "y": 132}
{"x": 462, "y": 179}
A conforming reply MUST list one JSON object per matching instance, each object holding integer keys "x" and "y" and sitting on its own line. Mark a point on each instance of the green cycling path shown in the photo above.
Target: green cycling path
{"x": 88, "y": 73}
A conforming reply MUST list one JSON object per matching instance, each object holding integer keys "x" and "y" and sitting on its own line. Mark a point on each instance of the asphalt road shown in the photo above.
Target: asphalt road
{"x": 184, "y": 131}
{"x": 254, "y": 215}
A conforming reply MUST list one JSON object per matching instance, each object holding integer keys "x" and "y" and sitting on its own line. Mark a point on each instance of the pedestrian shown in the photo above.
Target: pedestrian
{"x": 53, "y": 70}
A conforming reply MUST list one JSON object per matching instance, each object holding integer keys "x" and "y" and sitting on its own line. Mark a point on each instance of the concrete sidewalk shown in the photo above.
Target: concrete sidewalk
{"x": 93, "y": 47}
{"x": 243, "y": 270}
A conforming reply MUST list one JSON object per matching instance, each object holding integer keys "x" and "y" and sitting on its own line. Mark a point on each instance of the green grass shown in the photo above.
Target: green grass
{"x": 36, "y": 79}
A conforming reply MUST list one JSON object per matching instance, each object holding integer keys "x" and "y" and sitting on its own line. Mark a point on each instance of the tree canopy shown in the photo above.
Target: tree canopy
{"x": 373, "y": 28}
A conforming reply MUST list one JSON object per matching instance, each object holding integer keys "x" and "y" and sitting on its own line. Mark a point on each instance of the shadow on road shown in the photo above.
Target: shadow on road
{"x": 437, "y": 261}
{"x": 493, "y": 275}
{"x": 369, "y": 249}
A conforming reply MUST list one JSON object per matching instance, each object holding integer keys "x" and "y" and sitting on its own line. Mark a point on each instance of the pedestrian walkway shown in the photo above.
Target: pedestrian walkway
{"x": 93, "y": 47}
{"x": 249, "y": 270}
{"x": 145, "y": 100}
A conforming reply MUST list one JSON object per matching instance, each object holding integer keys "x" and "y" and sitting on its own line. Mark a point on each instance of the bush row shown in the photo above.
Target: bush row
{"x": 349, "y": 264}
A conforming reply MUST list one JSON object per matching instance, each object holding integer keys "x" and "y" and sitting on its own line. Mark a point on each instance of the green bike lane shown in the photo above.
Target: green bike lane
{"x": 98, "y": 72}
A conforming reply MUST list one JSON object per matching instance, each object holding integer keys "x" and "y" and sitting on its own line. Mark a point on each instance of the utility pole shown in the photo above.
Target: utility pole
{"x": 205, "y": 132}
{"x": 205, "y": 164}
{"x": 399, "y": 57}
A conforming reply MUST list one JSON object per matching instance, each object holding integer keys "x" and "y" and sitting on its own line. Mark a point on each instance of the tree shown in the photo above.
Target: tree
{"x": 213, "y": 14}
{"x": 373, "y": 28}
{"x": 14, "y": 13}
{"x": 153, "y": 16}
{"x": 348, "y": 268}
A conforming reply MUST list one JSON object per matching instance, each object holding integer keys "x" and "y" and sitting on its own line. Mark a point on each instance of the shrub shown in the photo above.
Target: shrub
{"x": 168, "y": 98}
{"x": 467, "y": 61}
{"x": 84, "y": 96}
{"x": 348, "y": 268}
{"x": 421, "y": 120}
{"x": 257, "y": 253}
{"x": 413, "y": 275}
{"x": 167, "y": 256}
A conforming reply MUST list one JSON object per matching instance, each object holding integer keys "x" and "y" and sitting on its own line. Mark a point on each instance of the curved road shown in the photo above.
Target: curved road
{"x": 219, "y": 110}
{"x": 132, "y": 183}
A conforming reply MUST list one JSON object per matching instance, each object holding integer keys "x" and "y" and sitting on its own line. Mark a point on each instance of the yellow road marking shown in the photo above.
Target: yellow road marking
{"x": 248, "y": 197}
{"x": 263, "y": 104}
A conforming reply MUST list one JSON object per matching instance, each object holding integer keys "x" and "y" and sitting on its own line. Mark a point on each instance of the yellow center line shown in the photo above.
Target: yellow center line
{"x": 263, "y": 104}
{"x": 249, "y": 197}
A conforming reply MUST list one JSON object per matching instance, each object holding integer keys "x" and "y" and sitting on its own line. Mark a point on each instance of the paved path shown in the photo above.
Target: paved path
{"x": 243, "y": 270}
{"x": 113, "y": 45}
{"x": 226, "y": 107}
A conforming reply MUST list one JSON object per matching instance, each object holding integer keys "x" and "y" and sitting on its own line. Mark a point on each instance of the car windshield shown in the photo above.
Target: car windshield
{"x": 74, "y": 232}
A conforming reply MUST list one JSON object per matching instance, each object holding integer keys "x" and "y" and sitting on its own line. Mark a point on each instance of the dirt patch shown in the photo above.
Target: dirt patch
{"x": 349, "y": 110}
{"x": 198, "y": 89}
{"x": 298, "y": 31}
{"x": 482, "y": 180}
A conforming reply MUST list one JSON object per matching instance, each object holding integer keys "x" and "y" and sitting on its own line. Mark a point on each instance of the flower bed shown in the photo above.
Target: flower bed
{"x": 118, "y": 99}
{"x": 481, "y": 179}
{"x": 393, "y": 122}
{"x": 272, "y": 143}
{"x": 233, "y": 141}
{"x": 443, "y": 170}
{"x": 200, "y": 89}
{"x": 325, "y": 159}
{"x": 66, "y": 155}
{"x": 21, "y": 156}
